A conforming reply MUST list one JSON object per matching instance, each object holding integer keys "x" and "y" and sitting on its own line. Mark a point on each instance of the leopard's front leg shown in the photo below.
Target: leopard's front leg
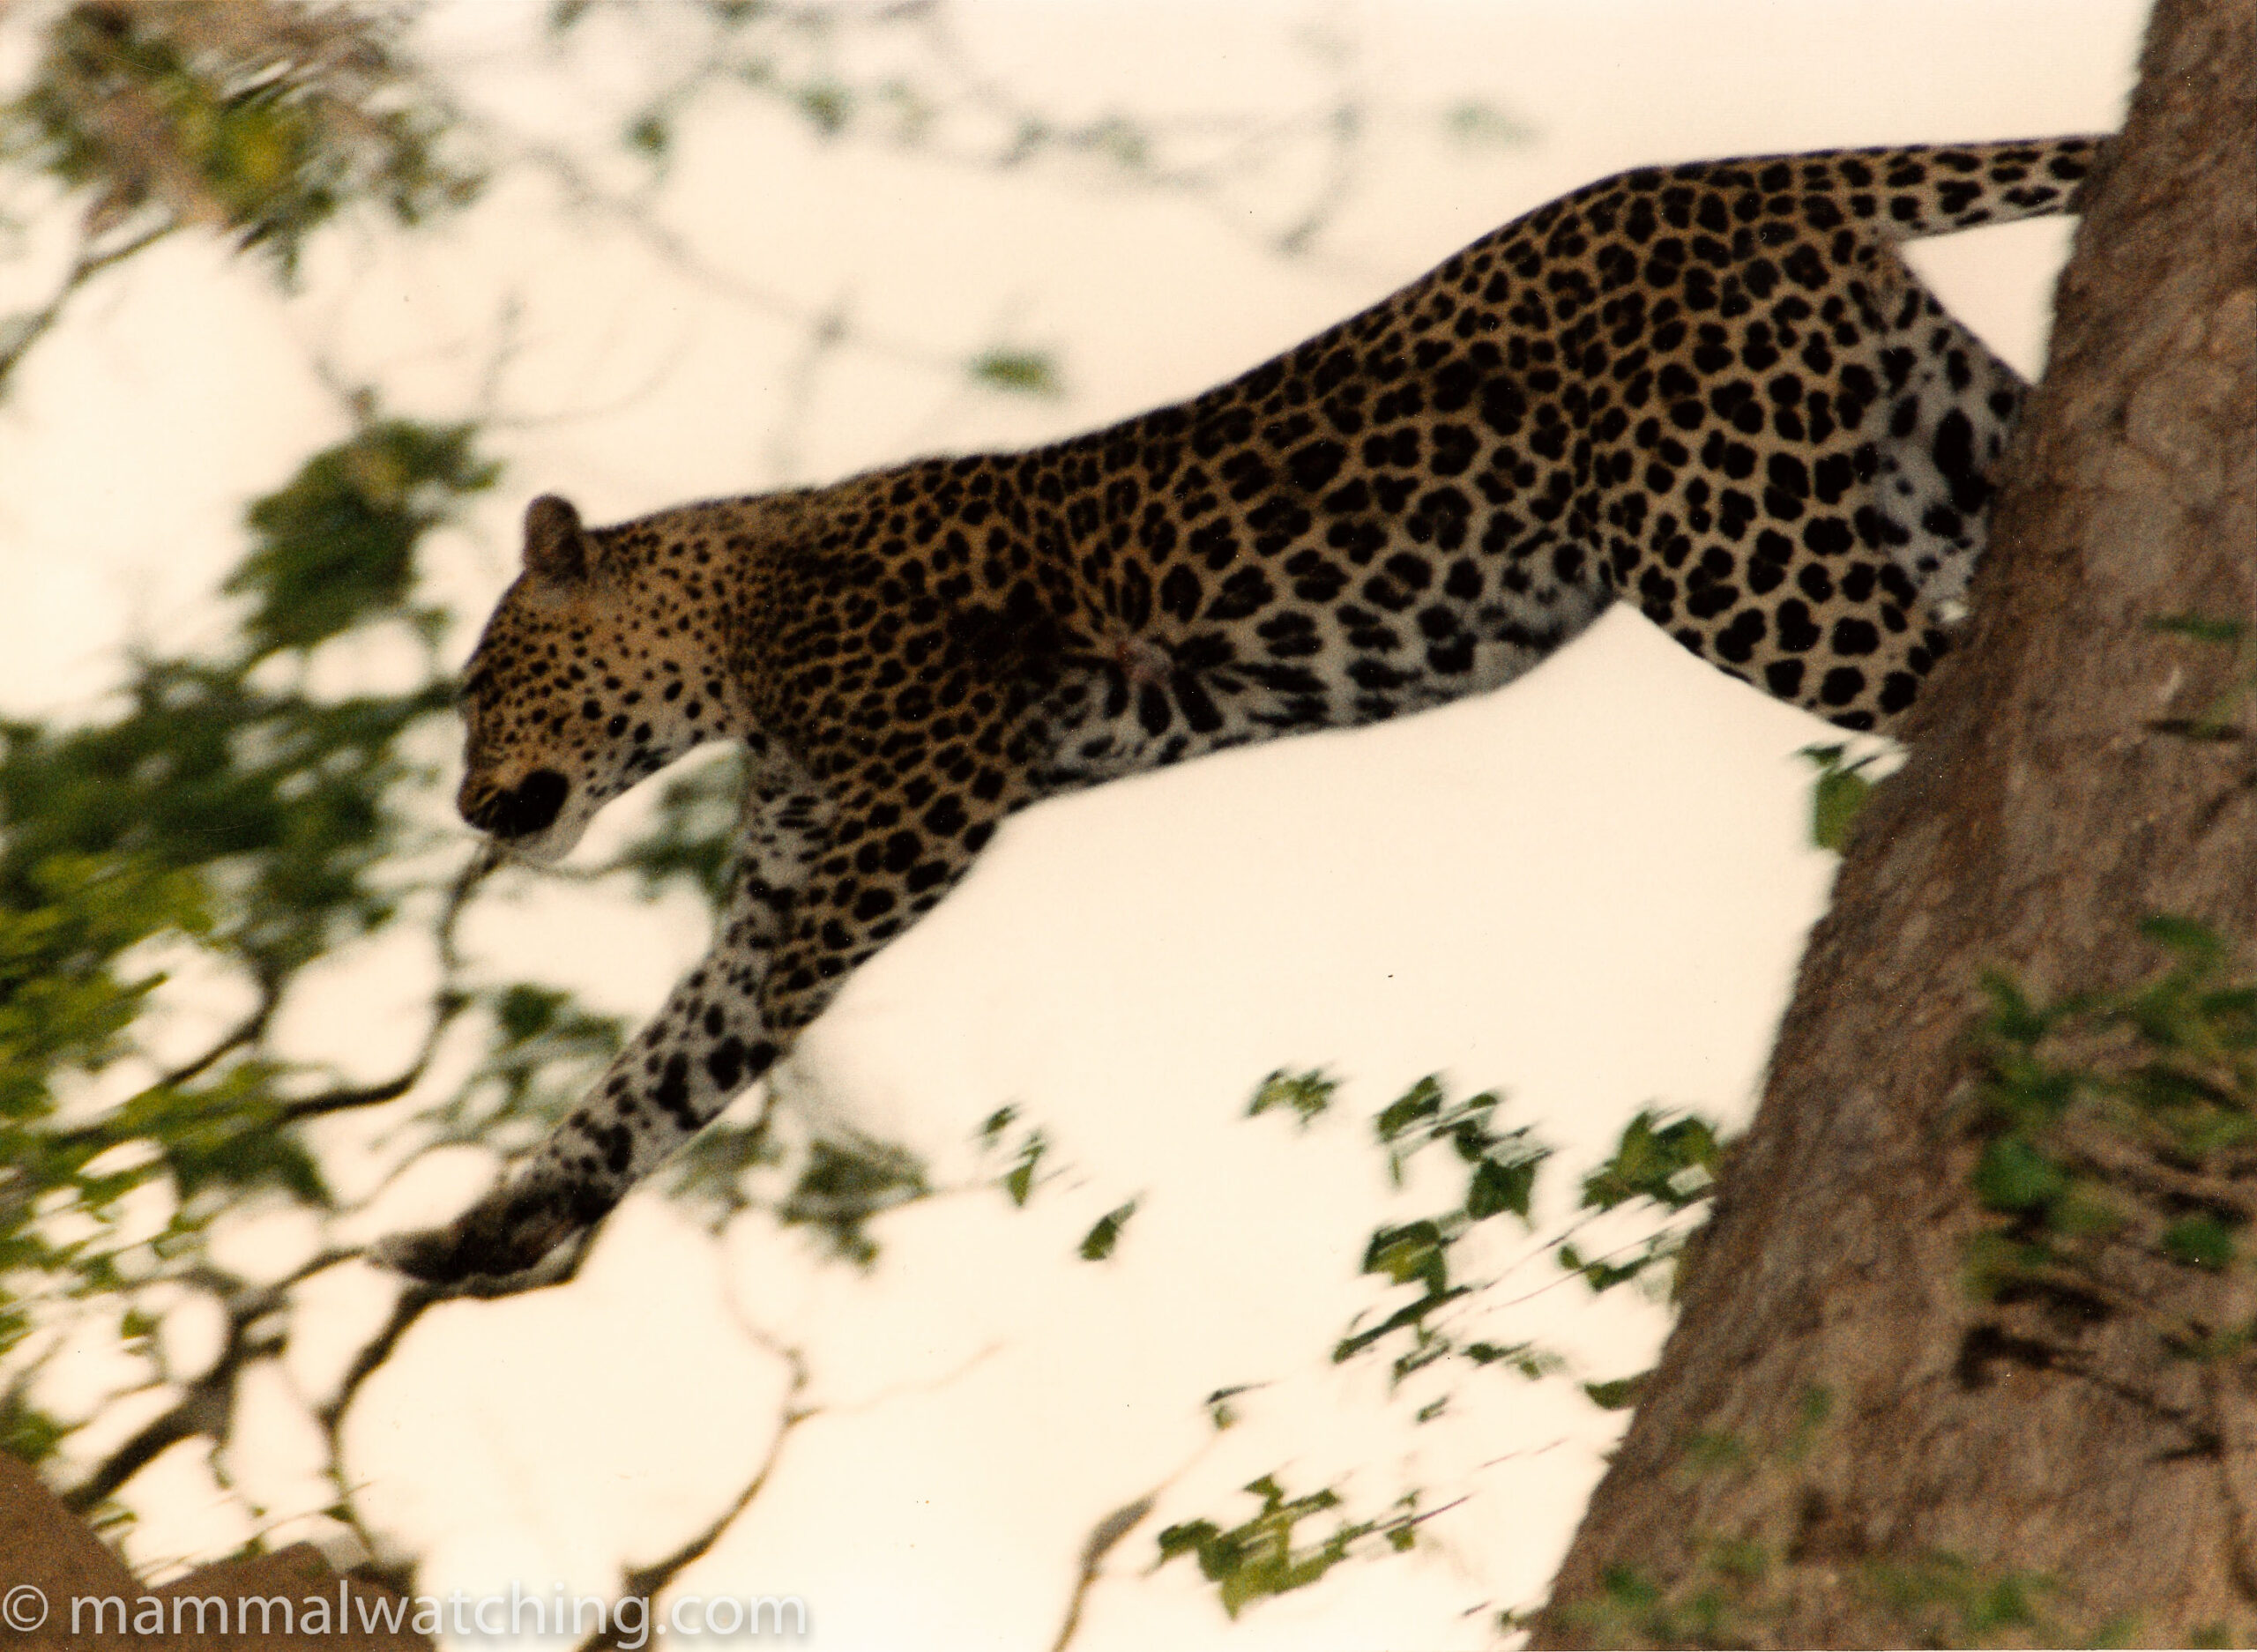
{"x": 705, "y": 1045}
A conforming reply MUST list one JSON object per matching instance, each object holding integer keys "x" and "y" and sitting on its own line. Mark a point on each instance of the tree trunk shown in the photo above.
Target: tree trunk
{"x": 1956, "y": 1363}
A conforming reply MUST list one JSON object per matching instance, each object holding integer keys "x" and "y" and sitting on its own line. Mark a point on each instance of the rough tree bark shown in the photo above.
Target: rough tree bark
{"x": 1848, "y": 1441}
{"x": 51, "y": 1557}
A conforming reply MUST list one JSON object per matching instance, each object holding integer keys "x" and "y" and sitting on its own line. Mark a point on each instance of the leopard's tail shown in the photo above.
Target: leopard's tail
{"x": 1908, "y": 191}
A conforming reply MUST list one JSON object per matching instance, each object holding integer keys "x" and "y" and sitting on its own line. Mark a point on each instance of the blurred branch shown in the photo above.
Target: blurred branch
{"x": 1103, "y": 1538}
{"x": 26, "y": 329}
{"x": 447, "y": 1003}
{"x": 1345, "y": 125}
{"x": 247, "y": 1032}
{"x": 1128, "y": 142}
{"x": 154, "y": 1438}
{"x": 206, "y": 1405}
{"x": 647, "y": 1583}
{"x": 639, "y": 219}
{"x": 791, "y": 55}
{"x": 824, "y": 340}
{"x": 746, "y": 58}
{"x": 367, "y": 1361}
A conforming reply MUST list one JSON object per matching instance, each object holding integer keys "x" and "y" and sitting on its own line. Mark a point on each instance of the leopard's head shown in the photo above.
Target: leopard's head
{"x": 594, "y": 672}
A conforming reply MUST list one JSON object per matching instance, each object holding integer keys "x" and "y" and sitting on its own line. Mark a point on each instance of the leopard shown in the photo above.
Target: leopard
{"x": 1714, "y": 390}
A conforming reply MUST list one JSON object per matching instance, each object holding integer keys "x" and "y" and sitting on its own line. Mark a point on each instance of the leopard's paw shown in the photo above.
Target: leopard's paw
{"x": 522, "y": 1232}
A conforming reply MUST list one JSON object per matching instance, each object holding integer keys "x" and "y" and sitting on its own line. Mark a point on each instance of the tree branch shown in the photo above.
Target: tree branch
{"x": 448, "y": 1002}
{"x": 645, "y": 1583}
{"x": 36, "y": 325}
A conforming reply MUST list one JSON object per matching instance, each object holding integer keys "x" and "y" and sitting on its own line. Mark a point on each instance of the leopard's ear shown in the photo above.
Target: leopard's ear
{"x": 557, "y": 549}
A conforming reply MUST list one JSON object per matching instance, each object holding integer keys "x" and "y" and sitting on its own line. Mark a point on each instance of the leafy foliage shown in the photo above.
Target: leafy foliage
{"x": 543, "y": 1049}
{"x": 1840, "y": 793}
{"x": 1618, "y": 1394}
{"x": 1308, "y": 1094}
{"x": 69, "y": 998}
{"x": 2118, "y": 1130}
{"x": 692, "y": 841}
{"x": 1018, "y": 1182}
{"x": 1671, "y": 1165}
{"x": 713, "y": 1170}
{"x": 2221, "y": 720}
{"x": 287, "y": 803}
{"x": 1736, "y": 1588}
{"x": 259, "y": 117}
{"x": 219, "y": 807}
{"x": 1259, "y": 1557}
{"x": 336, "y": 547}
{"x": 842, "y": 1184}
{"x": 1501, "y": 1168}
{"x": 1961, "y": 1604}
{"x": 1098, "y": 1243}
{"x": 1026, "y": 372}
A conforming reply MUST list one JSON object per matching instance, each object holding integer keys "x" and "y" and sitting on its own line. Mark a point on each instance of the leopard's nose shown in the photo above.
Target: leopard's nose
{"x": 519, "y": 811}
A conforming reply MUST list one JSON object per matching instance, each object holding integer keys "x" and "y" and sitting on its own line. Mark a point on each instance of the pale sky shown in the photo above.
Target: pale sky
{"x": 1588, "y": 890}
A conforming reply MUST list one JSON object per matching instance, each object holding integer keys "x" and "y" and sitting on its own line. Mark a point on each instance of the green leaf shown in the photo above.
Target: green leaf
{"x": 1411, "y": 1314}
{"x": 1840, "y": 791}
{"x": 2012, "y": 1017}
{"x": 1673, "y": 1164}
{"x": 1097, "y": 1243}
{"x": 1423, "y": 1100}
{"x": 1835, "y": 804}
{"x": 1997, "y": 1263}
{"x": 335, "y": 547}
{"x": 1220, "y": 1413}
{"x": 1620, "y": 1395}
{"x": 1502, "y": 1186}
{"x": 1414, "y": 1252}
{"x": 2200, "y": 628}
{"x": 27, "y": 1434}
{"x": 1018, "y": 1182}
{"x": 2198, "y": 947}
{"x": 1187, "y": 1537}
{"x": 1601, "y": 1274}
{"x": 1473, "y": 123}
{"x": 712, "y": 1169}
{"x": 1019, "y": 372}
{"x": 1260, "y": 1558}
{"x": 1530, "y": 1361}
{"x": 2013, "y": 1175}
{"x": 1307, "y": 1094}
{"x": 846, "y": 1183}
{"x": 828, "y": 105}
{"x": 524, "y": 1012}
{"x": 2204, "y": 1241}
